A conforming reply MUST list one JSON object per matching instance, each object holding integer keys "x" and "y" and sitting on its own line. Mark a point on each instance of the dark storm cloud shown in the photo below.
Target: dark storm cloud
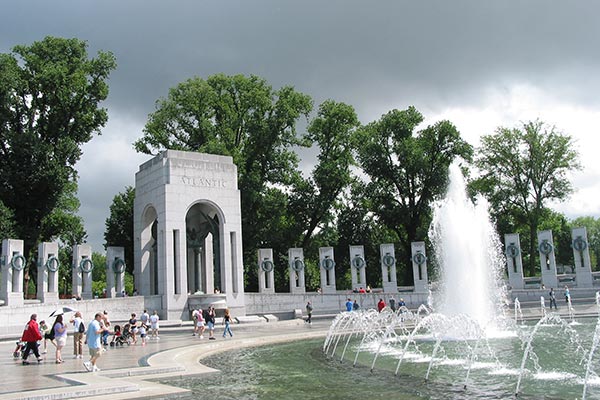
{"x": 428, "y": 52}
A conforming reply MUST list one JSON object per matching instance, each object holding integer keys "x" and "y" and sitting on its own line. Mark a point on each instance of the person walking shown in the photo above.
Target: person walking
{"x": 78, "y": 333}
{"x": 105, "y": 324}
{"x": 380, "y": 305}
{"x": 95, "y": 331}
{"x": 145, "y": 318}
{"x": 30, "y": 336}
{"x": 133, "y": 328}
{"x": 552, "y": 297}
{"x": 154, "y": 325}
{"x": 567, "y": 295}
{"x": 309, "y": 310}
{"x": 210, "y": 322}
{"x": 60, "y": 336}
{"x": 45, "y": 331}
{"x": 200, "y": 323}
{"x": 142, "y": 332}
{"x": 392, "y": 302}
{"x": 349, "y": 305}
{"x": 227, "y": 321}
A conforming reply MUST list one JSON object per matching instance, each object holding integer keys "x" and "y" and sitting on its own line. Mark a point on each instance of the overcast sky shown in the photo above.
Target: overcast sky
{"x": 480, "y": 64}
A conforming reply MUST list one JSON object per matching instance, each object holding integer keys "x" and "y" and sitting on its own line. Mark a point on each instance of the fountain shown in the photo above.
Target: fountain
{"x": 467, "y": 325}
{"x": 469, "y": 255}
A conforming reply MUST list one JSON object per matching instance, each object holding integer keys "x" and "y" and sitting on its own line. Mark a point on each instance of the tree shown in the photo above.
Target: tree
{"x": 63, "y": 222}
{"x": 242, "y": 117}
{"x": 6, "y": 222}
{"x": 406, "y": 171}
{"x": 119, "y": 225}
{"x": 357, "y": 224}
{"x": 524, "y": 169}
{"x": 313, "y": 200}
{"x": 310, "y": 204}
{"x": 49, "y": 96}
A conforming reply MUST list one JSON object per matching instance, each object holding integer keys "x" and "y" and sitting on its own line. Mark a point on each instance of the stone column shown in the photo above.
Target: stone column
{"x": 514, "y": 260}
{"x": 115, "y": 271}
{"x": 581, "y": 255}
{"x": 327, "y": 267}
{"x": 358, "y": 266}
{"x": 547, "y": 259}
{"x": 47, "y": 276}
{"x": 387, "y": 255}
{"x": 266, "y": 274}
{"x": 209, "y": 265}
{"x": 419, "y": 264}
{"x": 82, "y": 271}
{"x": 297, "y": 268}
{"x": 13, "y": 263}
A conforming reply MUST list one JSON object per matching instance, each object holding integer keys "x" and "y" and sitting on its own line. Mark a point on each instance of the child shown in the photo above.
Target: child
{"x": 142, "y": 332}
{"x": 200, "y": 323}
{"x": 44, "y": 330}
{"x": 116, "y": 335}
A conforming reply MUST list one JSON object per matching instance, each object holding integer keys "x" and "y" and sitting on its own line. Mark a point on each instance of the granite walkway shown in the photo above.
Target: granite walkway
{"x": 132, "y": 371}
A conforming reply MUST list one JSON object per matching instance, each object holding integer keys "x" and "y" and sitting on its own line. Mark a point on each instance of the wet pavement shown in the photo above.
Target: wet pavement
{"x": 132, "y": 371}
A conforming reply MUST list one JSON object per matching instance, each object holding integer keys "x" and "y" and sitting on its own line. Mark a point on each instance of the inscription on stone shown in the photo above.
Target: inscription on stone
{"x": 205, "y": 182}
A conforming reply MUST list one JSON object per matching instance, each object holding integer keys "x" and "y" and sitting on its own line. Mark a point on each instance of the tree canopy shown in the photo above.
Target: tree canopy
{"x": 406, "y": 171}
{"x": 522, "y": 169}
{"x": 49, "y": 106}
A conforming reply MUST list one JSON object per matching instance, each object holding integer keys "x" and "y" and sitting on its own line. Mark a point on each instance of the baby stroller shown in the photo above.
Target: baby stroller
{"x": 126, "y": 334}
{"x": 117, "y": 337}
{"x": 19, "y": 350}
{"x": 122, "y": 336}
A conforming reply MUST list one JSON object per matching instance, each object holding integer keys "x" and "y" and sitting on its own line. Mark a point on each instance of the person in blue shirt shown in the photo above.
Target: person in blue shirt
{"x": 349, "y": 305}
{"x": 94, "y": 335}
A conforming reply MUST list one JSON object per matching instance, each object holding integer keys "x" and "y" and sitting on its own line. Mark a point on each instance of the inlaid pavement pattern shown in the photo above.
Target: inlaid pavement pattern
{"x": 132, "y": 371}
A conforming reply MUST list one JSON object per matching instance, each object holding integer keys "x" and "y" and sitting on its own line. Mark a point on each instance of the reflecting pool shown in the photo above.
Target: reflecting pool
{"x": 300, "y": 370}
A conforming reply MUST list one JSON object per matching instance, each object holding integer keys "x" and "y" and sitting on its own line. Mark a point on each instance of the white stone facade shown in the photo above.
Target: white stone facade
{"x": 187, "y": 230}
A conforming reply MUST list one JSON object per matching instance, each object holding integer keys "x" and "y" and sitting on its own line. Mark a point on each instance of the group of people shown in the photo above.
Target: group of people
{"x": 95, "y": 334}
{"x": 552, "y": 297}
{"x": 205, "y": 320}
{"x": 354, "y": 306}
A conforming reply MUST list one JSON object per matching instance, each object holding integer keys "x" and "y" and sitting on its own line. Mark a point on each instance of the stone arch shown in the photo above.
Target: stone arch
{"x": 204, "y": 223}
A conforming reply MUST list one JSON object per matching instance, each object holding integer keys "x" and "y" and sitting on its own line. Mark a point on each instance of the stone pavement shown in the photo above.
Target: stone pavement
{"x": 131, "y": 371}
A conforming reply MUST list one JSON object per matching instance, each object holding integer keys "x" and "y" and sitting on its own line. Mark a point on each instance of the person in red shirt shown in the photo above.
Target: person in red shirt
{"x": 31, "y": 335}
{"x": 380, "y": 305}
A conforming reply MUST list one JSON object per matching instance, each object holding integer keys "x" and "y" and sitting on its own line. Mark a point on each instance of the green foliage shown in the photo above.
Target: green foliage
{"x": 7, "y": 227}
{"x": 49, "y": 96}
{"x": 406, "y": 171}
{"x": 98, "y": 274}
{"x": 65, "y": 270}
{"x": 63, "y": 223}
{"x": 521, "y": 171}
{"x": 119, "y": 225}
{"x": 314, "y": 200}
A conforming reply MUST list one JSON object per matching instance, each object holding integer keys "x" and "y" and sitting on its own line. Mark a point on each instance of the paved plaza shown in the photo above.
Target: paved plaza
{"x": 133, "y": 371}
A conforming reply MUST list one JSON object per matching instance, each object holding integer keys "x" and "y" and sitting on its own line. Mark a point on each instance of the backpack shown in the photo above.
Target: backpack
{"x": 50, "y": 334}
{"x": 81, "y": 327}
